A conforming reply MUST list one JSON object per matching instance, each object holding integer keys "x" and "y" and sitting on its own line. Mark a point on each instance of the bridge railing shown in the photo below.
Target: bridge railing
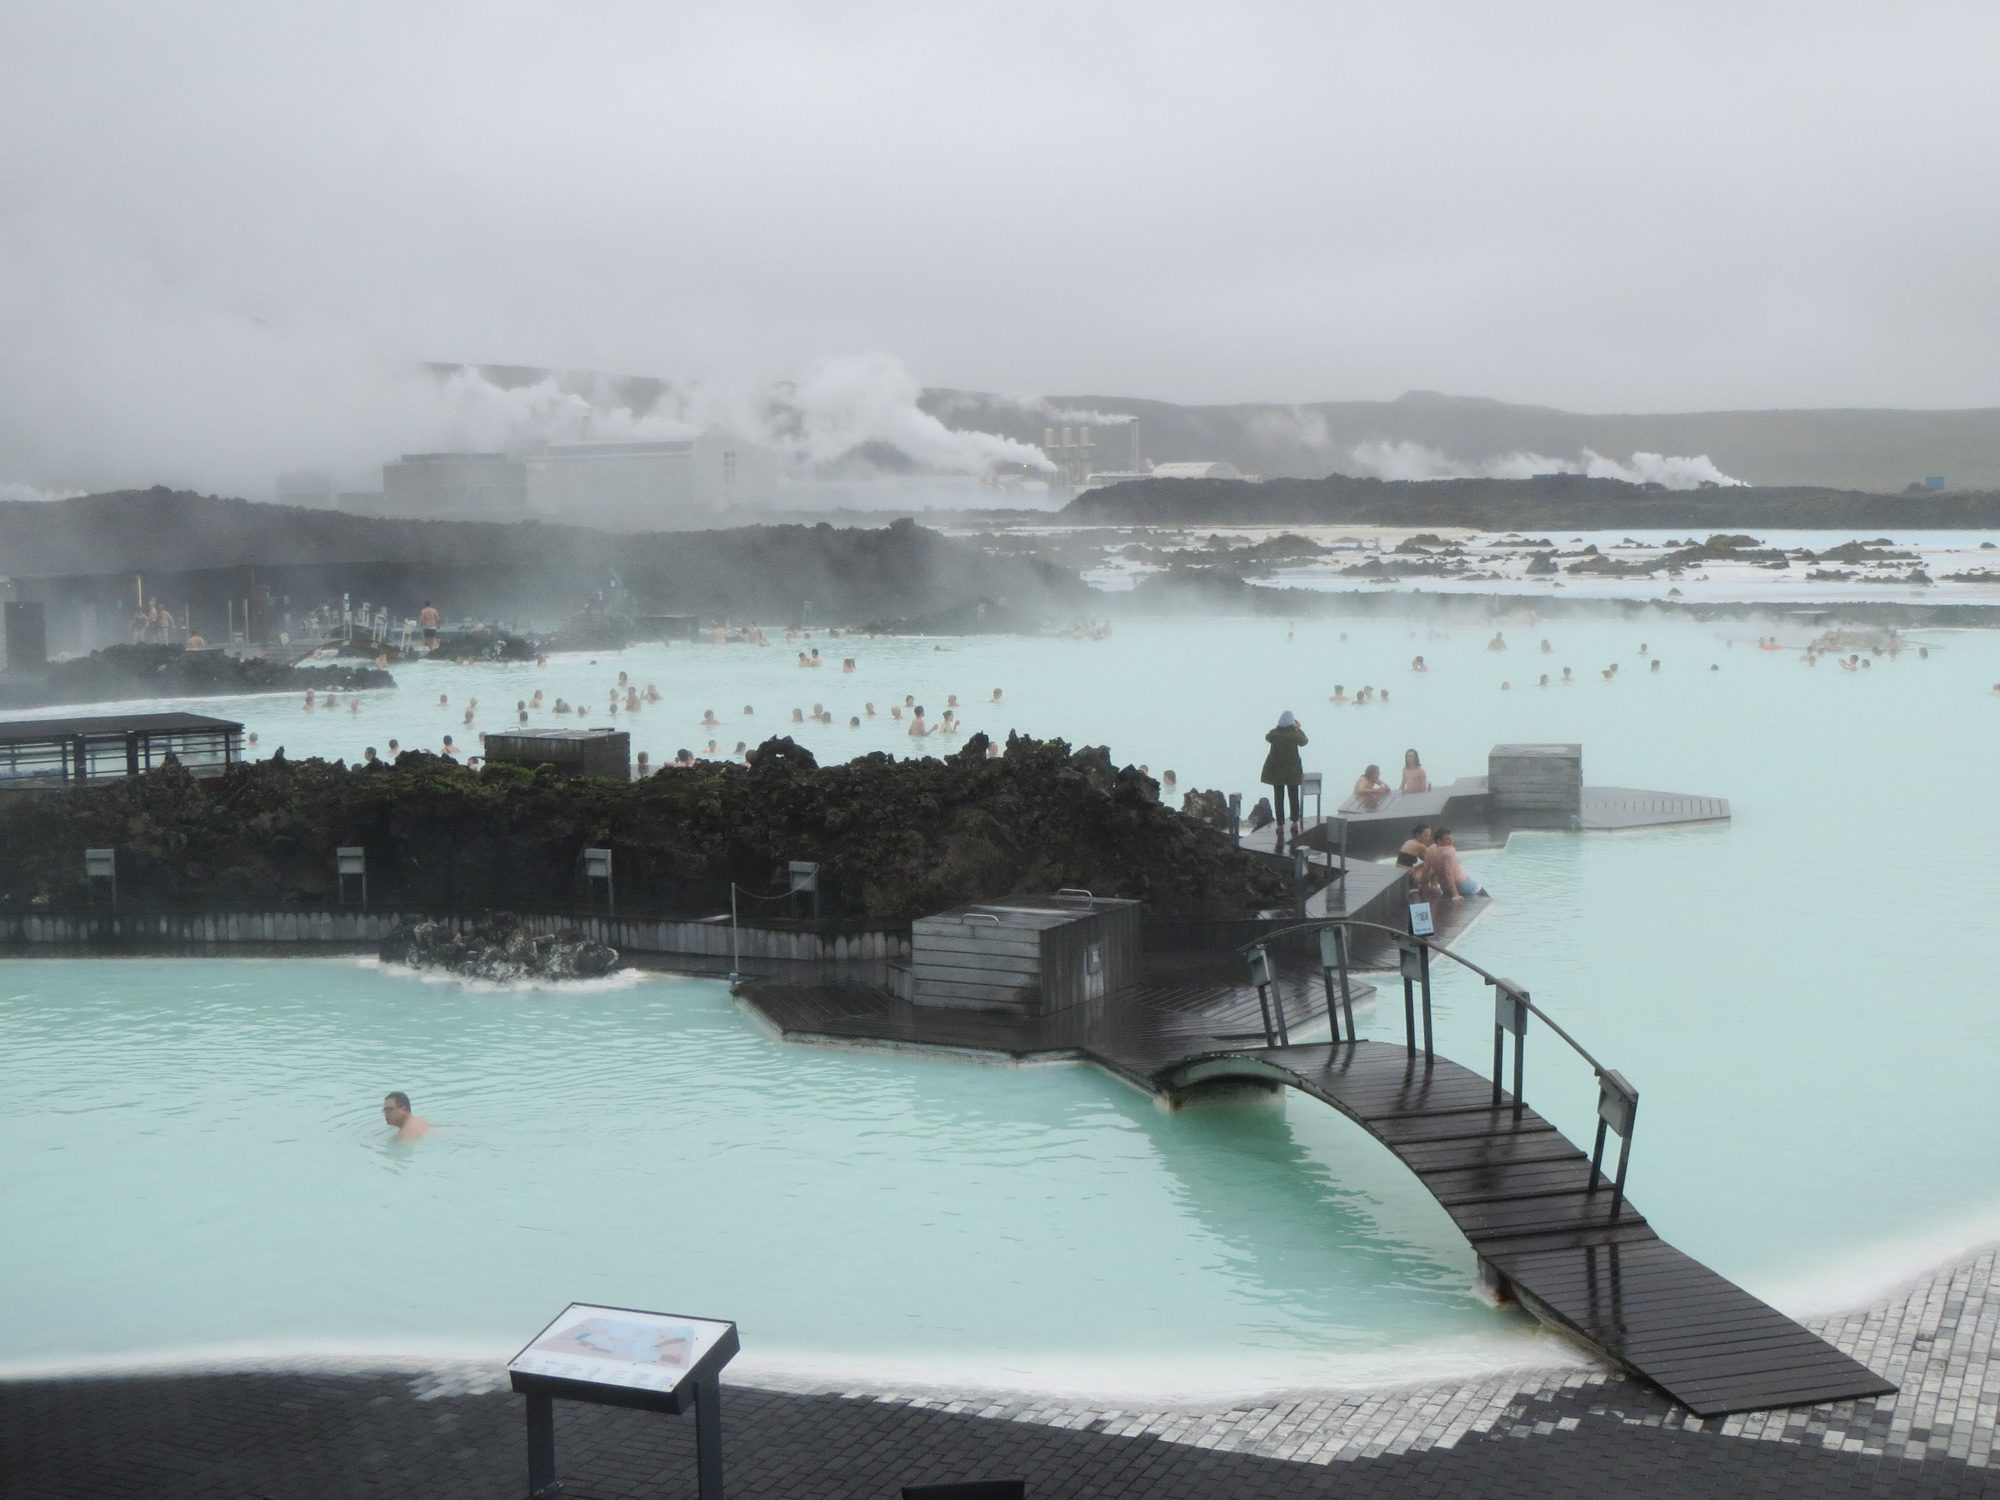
{"x": 1617, "y": 1099}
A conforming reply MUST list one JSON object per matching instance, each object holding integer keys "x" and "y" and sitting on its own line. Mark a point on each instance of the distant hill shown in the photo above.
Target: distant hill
{"x": 1561, "y": 502}
{"x": 1876, "y": 449}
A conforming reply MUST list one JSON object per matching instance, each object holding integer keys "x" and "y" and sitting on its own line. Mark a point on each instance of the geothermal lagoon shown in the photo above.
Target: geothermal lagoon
{"x": 1788, "y": 991}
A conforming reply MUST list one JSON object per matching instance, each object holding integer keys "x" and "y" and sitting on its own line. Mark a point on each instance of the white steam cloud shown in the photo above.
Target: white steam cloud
{"x": 1408, "y": 460}
{"x": 840, "y": 404}
{"x": 14, "y": 489}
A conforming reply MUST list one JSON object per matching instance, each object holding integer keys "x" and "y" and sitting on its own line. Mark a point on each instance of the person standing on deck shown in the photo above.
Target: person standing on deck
{"x": 429, "y": 619}
{"x": 1283, "y": 770}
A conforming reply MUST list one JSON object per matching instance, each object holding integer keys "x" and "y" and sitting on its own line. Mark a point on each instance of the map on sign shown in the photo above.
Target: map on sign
{"x": 616, "y": 1346}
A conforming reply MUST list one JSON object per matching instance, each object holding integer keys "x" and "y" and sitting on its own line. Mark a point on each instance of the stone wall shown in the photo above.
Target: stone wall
{"x": 358, "y": 929}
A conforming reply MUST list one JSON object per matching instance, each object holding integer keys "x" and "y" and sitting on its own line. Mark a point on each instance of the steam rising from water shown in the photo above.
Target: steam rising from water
{"x": 1408, "y": 460}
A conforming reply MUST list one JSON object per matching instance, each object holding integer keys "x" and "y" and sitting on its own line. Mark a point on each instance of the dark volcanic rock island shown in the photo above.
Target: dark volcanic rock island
{"x": 170, "y": 672}
{"x": 499, "y": 948}
{"x": 894, "y": 839}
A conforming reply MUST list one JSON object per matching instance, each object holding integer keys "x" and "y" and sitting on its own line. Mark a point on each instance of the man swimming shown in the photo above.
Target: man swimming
{"x": 396, "y": 1113}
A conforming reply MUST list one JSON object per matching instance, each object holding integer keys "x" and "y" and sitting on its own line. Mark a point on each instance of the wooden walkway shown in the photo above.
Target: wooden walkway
{"x": 1613, "y": 808}
{"x": 1541, "y": 1223}
{"x": 1522, "y": 1193}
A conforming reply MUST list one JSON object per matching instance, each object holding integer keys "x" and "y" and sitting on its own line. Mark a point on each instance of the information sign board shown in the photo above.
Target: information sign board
{"x": 1421, "y": 923}
{"x": 641, "y": 1351}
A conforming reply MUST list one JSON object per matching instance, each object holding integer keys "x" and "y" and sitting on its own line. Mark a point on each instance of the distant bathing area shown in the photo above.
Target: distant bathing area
{"x": 1346, "y": 1162}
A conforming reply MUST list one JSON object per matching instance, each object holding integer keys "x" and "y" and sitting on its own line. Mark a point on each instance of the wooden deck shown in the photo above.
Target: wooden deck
{"x": 1541, "y": 1221}
{"x": 1522, "y": 1194}
{"x": 1613, "y": 808}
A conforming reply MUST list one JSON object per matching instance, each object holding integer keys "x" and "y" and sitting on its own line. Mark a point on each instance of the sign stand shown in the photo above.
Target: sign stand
{"x": 620, "y": 1356}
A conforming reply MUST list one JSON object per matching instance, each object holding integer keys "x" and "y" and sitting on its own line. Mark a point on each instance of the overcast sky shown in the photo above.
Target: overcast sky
{"x": 220, "y": 223}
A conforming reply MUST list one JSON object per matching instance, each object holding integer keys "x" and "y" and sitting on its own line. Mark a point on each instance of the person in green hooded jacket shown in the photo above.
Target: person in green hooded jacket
{"x": 1282, "y": 769}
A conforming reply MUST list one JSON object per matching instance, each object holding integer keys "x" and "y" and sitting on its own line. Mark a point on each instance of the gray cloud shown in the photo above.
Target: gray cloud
{"x": 227, "y": 229}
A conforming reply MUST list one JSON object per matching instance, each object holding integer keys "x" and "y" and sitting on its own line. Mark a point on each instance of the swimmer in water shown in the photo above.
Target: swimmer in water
{"x": 1566, "y": 677}
{"x": 918, "y": 728}
{"x": 395, "y": 748}
{"x": 709, "y": 720}
{"x": 1417, "y": 665}
{"x": 443, "y": 702}
{"x": 996, "y": 695}
{"x": 309, "y": 699}
{"x": 354, "y": 706}
{"x": 1656, "y": 664}
{"x": 868, "y": 709}
{"x": 798, "y": 716}
{"x": 397, "y": 1116}
{"x": 1498, "y": 643}
{"x": 1339, "y": 694}
{"x": 748, "y": 711}
{"x": 895, "y": 712}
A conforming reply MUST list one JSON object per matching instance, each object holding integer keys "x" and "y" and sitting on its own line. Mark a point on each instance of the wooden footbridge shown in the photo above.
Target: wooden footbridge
{"x": 1551, "y": 1224}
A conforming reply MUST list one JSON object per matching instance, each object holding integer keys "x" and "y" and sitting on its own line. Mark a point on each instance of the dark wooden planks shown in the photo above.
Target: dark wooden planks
{"x": 1521, "y": 1192}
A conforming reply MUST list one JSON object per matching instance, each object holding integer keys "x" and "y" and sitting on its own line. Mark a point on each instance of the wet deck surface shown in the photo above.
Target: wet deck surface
{"x": 1523, "y": 1194}
{"x": 1529, "y": 1203}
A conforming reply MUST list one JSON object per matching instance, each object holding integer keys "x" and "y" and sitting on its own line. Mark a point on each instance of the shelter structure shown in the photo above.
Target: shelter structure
{"x": 61, "y": 752}
{"x": 573, "y": 752}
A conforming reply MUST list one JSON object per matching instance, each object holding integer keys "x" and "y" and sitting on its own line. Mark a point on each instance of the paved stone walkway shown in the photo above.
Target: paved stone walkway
{"x": 457, "y": 1432}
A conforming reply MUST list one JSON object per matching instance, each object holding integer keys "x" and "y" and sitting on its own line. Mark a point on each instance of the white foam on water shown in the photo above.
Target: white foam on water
{"x": 1186, "y": 1378}
{"x": 618, "y": 979}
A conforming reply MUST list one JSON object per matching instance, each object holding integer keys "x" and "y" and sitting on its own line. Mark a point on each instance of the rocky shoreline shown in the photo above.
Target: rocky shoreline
{"x": 172, "y": 672}
{"x": 894, "y": 839}
{"x": 498, "y": 948}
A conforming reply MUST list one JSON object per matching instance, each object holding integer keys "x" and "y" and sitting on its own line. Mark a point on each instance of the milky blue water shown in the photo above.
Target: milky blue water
{"x": 1800, "y": 997}
{"x": 197, "y": 1167}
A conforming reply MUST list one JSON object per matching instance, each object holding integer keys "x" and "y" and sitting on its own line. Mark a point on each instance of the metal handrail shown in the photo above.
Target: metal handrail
{"x": 1617, "y": 1100}
{"x": 1398, "y": 935}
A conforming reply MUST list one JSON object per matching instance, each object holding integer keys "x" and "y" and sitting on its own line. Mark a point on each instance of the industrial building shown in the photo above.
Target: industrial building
{"x": 650, "y": 486}
{"x": 1084, "y": 449}
{"x": 456, "y": 487}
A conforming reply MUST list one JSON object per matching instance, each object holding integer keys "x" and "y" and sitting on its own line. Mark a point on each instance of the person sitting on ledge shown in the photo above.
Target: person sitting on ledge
{"x": 396, "y": 1114}
{"x": 1443, "y": 869}
{"x": 1370, "y": 789}
{"x": 1412, "y": 853}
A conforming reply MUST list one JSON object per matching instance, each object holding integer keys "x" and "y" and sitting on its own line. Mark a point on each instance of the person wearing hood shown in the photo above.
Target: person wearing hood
{"x": 1282, "y": 769}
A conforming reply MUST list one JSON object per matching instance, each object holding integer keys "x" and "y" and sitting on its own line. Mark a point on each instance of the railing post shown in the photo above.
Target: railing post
{"x": 1617, "y": 1109}
{"x": 1260, "y": 975}
{"x": 1510, "y": 1014}
{"x": 1410, "y": 960}
{"x": 1332, "y": 961}
{"x": 1424, "y": 979}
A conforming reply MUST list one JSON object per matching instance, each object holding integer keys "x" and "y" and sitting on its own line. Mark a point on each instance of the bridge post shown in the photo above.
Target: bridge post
{"x": 1415, "y": 963}
{"x": 1617, "y": 1109}
{"x": 1260, "y": 975}
{"x": 1510, "y": 1014}
{"x": 1332, "y": 960}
